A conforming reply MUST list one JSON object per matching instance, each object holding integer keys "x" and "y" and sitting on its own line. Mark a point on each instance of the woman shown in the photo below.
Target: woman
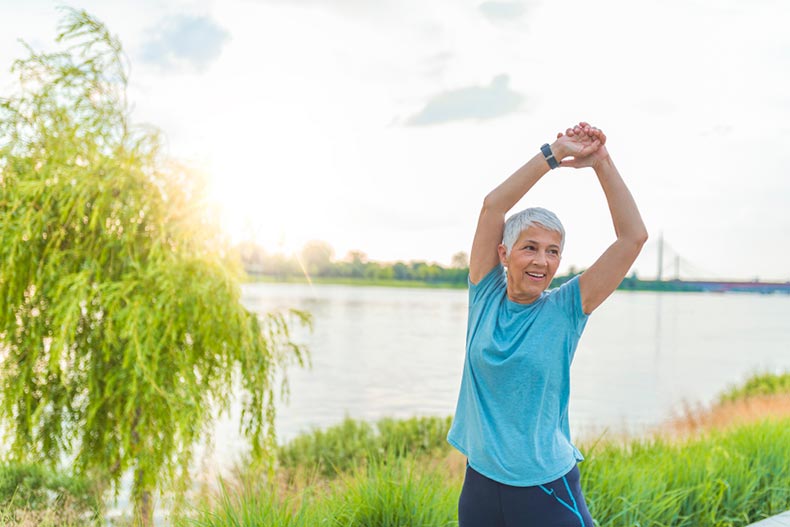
{"x": 511, "y": 421}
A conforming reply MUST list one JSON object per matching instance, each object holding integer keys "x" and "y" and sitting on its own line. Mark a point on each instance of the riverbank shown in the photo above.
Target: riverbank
{"x": 723, "y": 465}
{"x": 628, "y": 284}
{"x": 362, "y": 282}
{"x": 727, "y": 478}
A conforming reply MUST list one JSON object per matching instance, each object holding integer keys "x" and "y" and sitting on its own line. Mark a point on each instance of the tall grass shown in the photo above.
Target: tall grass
{"x": 723, "y": 478}
{"x": 391, "y": 492}
{"x": 247, "y": 504}
{"x": 398, "y": 492}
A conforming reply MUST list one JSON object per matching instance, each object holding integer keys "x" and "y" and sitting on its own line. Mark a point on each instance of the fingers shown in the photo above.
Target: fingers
{"x": 582, "y": 127}
{"x": 587, "y": 133}
{"x": 592, "y": 131}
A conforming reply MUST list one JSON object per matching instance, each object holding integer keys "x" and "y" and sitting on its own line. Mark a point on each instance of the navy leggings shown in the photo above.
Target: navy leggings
{"x": 487, "y": 503}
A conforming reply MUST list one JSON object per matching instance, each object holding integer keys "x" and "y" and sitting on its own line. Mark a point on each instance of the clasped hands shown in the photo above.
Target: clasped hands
{"x": 580, "y": 146}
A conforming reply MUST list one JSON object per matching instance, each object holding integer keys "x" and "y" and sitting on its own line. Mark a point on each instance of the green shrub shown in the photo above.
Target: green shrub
{"x": 28, "y": 490}
{"x": 352, "y": 443}
{"x": 330, "y": 451}
{"x": 415, "y": 436}
{"x": 759, "y": 384}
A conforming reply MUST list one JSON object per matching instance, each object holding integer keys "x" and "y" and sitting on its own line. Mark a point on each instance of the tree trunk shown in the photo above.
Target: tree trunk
{"x": 143, "y": 509}
{"x": 143, "y": 503}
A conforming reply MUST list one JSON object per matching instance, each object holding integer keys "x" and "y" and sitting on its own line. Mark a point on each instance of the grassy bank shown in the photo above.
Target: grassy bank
{"x": 721, "y": 478}
{"x": 727, "y": 470}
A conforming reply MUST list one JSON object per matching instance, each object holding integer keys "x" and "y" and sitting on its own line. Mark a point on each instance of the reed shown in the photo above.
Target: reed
{"x": 248, "y": 504}
{"x": 394, "y": 492}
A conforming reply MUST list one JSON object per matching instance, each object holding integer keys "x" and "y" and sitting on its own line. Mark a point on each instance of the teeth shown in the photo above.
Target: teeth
{"x": 536, "y": 275}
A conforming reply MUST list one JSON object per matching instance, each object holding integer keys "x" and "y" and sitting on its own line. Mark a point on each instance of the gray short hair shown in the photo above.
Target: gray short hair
{"x": 518, "y": 223}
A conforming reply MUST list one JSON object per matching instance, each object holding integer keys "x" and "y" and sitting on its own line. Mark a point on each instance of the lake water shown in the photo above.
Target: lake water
{"x": 380, "y": 352}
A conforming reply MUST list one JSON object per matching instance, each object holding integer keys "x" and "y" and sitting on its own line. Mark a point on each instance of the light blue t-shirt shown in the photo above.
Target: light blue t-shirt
{"x": 511, "y": 420}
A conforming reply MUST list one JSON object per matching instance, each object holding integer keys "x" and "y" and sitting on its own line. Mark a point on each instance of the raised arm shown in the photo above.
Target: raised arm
{"x": 491, "y": 223}
{"x": 603, "y": 277}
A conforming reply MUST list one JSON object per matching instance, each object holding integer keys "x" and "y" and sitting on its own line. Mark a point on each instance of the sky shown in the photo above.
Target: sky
{"x": 380, "y": 125}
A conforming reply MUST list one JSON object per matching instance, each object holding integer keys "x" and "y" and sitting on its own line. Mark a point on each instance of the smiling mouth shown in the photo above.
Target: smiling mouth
{"x": 536, "y": 275}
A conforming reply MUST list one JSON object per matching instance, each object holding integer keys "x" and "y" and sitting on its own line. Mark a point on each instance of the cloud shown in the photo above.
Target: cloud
{"x": 474, "y": 102}
{"x": 322, "y": 3}
{"x": 719, "y": 130}
{"x": 657, "y": 106}
{"x": 502, "y": 11}
{"x": 185, "y": 42}
{"x": 435, "y": 65}
{"x": 347, "y": 7}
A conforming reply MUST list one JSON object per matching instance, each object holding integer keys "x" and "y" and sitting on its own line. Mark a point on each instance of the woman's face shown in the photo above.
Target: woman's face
{"x": 532, "y": 263}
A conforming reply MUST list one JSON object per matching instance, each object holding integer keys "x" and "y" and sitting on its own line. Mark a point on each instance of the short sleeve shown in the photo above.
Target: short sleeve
{"x": 569, "y": 298}
{"x": 493, "y": 281}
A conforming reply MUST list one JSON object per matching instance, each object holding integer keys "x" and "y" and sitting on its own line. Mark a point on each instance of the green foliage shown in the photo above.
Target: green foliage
{"x": 415, "y": 436}
{"x": 352, "y": 443}
{"x": 723, "y": 479}
{"x": 330, "y": 451}
{"x": 757, "y": 385}
{"x": 122, "y": 334}
{"x": 38, "y": 488}
{"x": 35, "y": 494}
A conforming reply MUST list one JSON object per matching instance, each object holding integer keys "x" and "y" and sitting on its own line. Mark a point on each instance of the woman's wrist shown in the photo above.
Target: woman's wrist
{"x": 559, "y": 150}
{"x": 603, "y": 163}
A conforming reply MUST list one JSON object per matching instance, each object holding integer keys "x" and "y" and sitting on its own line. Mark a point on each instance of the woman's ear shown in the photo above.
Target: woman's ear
{"x": 502, "y": 250}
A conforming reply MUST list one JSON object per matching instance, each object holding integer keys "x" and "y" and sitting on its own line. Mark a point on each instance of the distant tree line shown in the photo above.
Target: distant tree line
{"x": 316, "y": 259}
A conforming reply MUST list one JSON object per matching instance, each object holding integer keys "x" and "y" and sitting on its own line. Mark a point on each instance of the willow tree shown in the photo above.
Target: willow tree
{"x": 122, "y": 335}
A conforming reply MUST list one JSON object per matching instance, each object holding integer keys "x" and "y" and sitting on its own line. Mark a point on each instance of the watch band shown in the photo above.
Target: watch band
{"x": 549, "y": 155}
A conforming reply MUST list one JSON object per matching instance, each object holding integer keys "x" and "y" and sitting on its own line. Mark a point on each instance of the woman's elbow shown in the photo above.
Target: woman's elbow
{"x": 489, "y": 203}
{"x": 496, "y": 203}
{"x": 635, "y": 240}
